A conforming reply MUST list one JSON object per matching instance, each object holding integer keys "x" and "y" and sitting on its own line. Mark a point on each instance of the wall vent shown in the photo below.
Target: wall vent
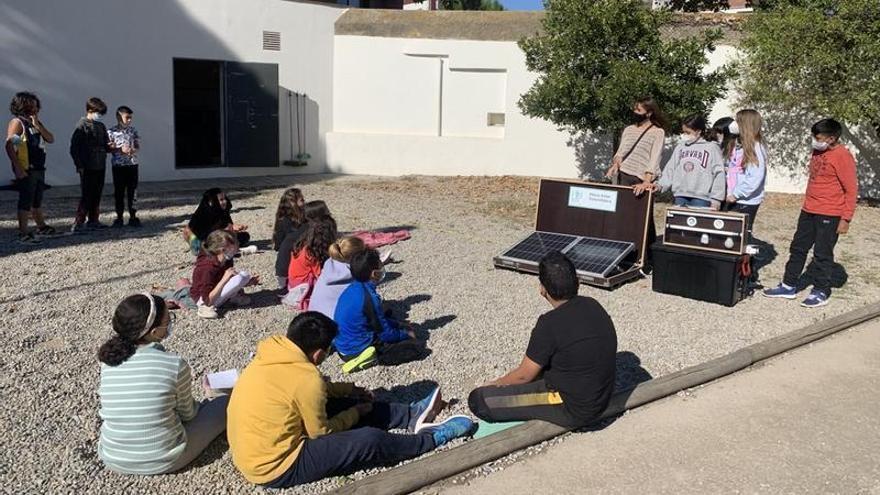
{"x": 272, "y": 41}
{"x": 494, "y": 119}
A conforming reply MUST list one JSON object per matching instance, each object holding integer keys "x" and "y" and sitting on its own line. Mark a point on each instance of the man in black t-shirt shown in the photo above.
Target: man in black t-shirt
{"x": 574, "y": 346}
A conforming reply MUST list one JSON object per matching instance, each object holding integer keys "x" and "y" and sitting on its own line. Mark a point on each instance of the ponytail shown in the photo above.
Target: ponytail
{"x": 116, "y": 351}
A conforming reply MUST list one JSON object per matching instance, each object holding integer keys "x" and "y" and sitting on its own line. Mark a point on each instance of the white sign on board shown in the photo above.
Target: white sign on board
{"x": 592, "y": 198}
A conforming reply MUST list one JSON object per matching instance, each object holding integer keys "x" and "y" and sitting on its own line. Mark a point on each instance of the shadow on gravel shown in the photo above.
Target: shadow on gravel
{"x": 766, "y": 254}
{"x": 59, "y": 215}
{"x": 808, "y": 278}
{"x": 423, "y": 330}
{"x": 88, "y": 284}
{"x": 406, "y": 393}
{"x": 400, "y": 309}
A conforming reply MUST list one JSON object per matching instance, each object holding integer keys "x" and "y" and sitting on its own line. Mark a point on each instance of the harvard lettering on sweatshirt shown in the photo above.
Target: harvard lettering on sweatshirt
{"x": 695, "y": 170}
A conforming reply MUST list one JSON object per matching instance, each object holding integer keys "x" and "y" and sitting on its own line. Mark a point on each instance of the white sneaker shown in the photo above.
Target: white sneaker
{"x": 385, "y": 256}
{"x": 207, "y": 312}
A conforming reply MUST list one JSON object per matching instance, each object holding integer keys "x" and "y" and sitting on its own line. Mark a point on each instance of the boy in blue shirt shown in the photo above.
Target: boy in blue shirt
{"x": 363, "y": 326}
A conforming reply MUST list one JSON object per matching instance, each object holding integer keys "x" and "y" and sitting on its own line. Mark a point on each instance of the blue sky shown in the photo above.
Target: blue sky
{"x": 523, "y": 4}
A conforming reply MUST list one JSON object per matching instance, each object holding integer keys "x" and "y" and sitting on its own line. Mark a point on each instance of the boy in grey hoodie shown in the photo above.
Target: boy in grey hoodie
{"x": 89, "y": 145}
{"x": 695, "y": 172}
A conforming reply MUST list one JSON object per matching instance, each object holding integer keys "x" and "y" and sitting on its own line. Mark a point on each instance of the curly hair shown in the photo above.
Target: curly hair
{"x": 128, "y": 323}
{"x": 288, "y": 207}
{"x": 321, "y": 234}
{"x": 23, "y": 103}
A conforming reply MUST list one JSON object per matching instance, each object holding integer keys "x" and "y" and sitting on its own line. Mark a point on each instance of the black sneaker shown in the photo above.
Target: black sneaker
{"x": 28, "y": 238}
{"x": 45, "y": 230}
{"x": 118, "y": 223}
{"x": 96, "y": 225}
{"x": 134, "y": 222}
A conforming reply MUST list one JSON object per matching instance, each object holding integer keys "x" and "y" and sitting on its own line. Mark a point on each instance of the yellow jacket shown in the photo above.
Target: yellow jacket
{"x": 277, "y": 403}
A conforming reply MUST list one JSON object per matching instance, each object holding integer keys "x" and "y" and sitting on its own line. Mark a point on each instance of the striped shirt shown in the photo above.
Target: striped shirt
{"x": 144, "y": 402}
{"x": 645, "y": 157}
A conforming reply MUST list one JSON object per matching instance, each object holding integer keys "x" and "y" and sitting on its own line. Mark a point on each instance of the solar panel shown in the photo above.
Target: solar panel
{"x": 590, "y": 255}
{"x": 597, "y": 256}
{"x": 538, "y": 244}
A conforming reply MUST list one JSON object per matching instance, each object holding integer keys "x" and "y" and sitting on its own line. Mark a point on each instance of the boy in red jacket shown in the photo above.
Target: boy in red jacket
{"x": 828, "y": 209}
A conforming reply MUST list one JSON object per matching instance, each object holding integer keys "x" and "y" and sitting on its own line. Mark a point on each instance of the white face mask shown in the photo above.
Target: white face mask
{"x": 96, "y": 117}
{"x": 168, "y": 329}
{"x": 687, "y": 139}
{"x": 228, "y": 255}
{"x": 819, "y": 145}
{"x": 381, "y": 276}
{"x": 733, "y": 128}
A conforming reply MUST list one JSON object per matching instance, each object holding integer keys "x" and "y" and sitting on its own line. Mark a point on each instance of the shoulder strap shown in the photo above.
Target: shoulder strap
{"x": 624, "y": 157}
{"x": 370, "y": 311}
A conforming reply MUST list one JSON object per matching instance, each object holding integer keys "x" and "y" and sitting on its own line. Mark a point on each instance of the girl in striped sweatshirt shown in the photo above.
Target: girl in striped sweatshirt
{"x": 151, "y": 423}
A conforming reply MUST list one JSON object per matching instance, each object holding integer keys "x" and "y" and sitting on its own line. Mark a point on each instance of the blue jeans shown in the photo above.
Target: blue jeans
{"x": 683, "y": 201}
{"x": 367, "y": 445}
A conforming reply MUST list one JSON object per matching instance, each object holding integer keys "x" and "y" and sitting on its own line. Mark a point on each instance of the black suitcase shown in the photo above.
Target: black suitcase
{"x": 702, "y": 275}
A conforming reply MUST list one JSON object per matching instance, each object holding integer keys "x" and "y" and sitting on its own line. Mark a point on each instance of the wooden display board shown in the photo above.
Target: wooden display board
{"x": 596, "y": 210}
{"x": 706, "y": 230}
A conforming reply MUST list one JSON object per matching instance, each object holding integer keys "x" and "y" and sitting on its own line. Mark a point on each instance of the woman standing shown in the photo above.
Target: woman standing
{"x": 637, "y": 159}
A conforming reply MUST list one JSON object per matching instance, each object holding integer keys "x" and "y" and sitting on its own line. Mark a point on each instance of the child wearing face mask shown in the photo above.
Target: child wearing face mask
{"x": 150, "y": 422}
{"x": 214, "y": 280}
{"x": 695, "y": 171}
{"x": 747, "y": 166}
{"x": 88, "y": 148}
{"x": 364, "y": 329}
{"x": 126, "y": 143}
{"x": 829, "y": 205}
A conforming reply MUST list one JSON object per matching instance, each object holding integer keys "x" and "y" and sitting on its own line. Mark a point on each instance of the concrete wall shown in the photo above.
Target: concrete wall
{"x": 430, "y": 118}
{"x": 122, "y": 52}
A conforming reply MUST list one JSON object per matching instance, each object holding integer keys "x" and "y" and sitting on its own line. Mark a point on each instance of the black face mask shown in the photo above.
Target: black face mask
{"x": 638, "y": 118}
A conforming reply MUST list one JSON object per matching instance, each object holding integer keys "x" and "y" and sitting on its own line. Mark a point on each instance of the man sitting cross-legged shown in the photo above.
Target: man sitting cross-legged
{"x": 574, "y": 346}
{"x": 286, "y": 425}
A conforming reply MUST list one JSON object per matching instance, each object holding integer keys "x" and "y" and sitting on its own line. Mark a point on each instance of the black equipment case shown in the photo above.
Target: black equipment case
{"x": 702, "y": 275}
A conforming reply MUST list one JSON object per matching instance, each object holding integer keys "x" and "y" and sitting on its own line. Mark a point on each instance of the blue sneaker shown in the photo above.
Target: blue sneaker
{"x": 425, "y": 410}
{"x": 782, "y": 291}
{"x": 815, "y": 299}
{"x": 452, "y": 428}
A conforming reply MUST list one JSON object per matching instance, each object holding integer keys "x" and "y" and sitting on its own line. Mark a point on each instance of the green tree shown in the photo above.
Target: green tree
{"x": 815, "y": 57}
{"x": 595, "y": 57}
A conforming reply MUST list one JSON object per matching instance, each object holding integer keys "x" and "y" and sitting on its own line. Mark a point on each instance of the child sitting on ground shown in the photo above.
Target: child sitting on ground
{"x": 288, "y": 426}
{"x": 566, "y": 376}
{"x": 214, "y": 280}
{"x": 364, "y": 329}
{"x": 335, "y": 275}
{"x": 829, "y": 205}
{"x": 309, "y": 255}
{"x": 213, "y": 214}
{"x": 313, "y": 211}
{"x": 289, "y": 225}
{"x": 695, "y": 171}
{"x": 125, "y": 144}
{"x": 150, "y": 422}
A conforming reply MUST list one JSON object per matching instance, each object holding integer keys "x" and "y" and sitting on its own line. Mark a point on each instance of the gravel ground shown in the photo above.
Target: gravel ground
{"x": 59, "y": 297}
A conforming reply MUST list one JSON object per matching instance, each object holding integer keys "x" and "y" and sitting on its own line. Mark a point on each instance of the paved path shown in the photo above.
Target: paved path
{"x": 806, "y": 422}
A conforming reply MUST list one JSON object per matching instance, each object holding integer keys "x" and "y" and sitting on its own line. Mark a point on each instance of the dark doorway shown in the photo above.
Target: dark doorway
{"x": 198, "y": 113}
{"x": 225, "y": 114}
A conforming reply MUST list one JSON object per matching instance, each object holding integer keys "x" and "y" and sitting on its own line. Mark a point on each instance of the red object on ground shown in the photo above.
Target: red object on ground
{"x": 374, "y": 239}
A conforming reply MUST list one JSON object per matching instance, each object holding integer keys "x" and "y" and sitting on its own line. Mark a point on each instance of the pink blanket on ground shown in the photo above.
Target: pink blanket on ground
{"x": 374, "y": 239}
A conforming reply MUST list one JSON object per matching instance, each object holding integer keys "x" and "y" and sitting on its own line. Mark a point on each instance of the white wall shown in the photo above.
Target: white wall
{"x": 67, "y": 51}
{"x": 387, "y": 119}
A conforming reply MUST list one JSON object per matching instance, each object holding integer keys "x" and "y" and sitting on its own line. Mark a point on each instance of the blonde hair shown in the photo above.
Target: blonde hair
{"x": 217, "y": 241}
{"x": 343, "y": 249}
{"x": 749, "y": 122}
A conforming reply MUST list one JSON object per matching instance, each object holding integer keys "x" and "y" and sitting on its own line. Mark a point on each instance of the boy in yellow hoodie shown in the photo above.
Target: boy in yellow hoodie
{"x": 287, "y": 426}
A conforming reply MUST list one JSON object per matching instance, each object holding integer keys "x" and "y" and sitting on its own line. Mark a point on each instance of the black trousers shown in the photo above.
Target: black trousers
{"x": 91, "y": 186}
{"x": 125, "y": 182}
{"x": 631, "y": 180}
{"x": 367, "y": 445}
{"x": 818, "y": 232}
{"x": 521, "y": 403}
{"x": 751, "y": 211}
